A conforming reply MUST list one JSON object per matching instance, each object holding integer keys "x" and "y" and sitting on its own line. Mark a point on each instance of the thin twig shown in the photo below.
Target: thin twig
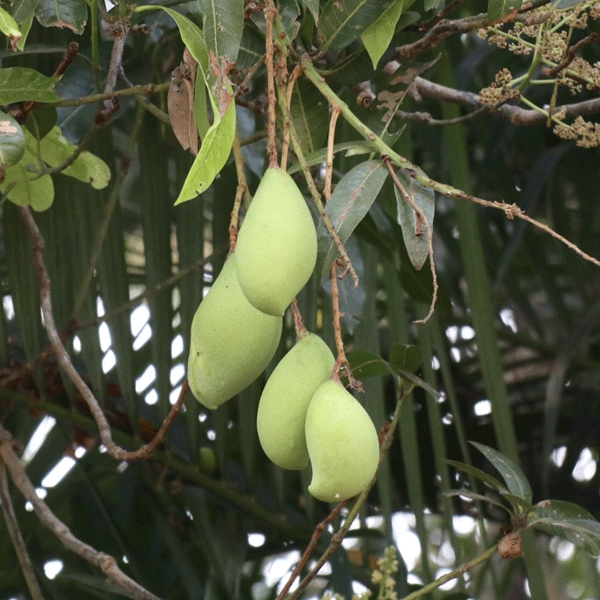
{"x": 288, "y": 91}
{"x": 341, "y": 362}
{"x": 320, "y": 529}
{"x": 420, "y": 218}
{"x": 241, "y": 192}
{"x": 104, "y": 561}
{"x": 12, "y": 524}
{"x": 37, "y": 244}
{"x": 136, "y": 90}
{"x": 335, "y": 113}
{"x": 270, "y": 12}
{"x": 570, "y": 55}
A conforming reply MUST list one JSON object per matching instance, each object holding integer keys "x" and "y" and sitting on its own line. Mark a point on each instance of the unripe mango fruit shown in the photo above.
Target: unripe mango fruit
{"x": 277, "y": 244}
{"x": 231, "y": 341}
{"x": 342, "y": 444}
{"x": 284, "y": 401}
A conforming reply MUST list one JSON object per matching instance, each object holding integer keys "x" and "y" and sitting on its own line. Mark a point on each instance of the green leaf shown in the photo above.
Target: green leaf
{"x": 223, "y": 24}
{"x": 26, "y": 188}
{"x": 583, "y": 532}
{"x": 349, "y": 203}
{"x": 378, "y": 36}
{"x": 367, "y": 364}
{"x": 519, "y": 505}
{"x": 313, "y": 7}
{"x": 500, "y": 8}
{"x": 55, "y": 150}
{"x": 513, "y": 476}
{"x": 12, "y": 142}
{"x": 19, "y": 83}
{"x": 343, "y": 21}
{"x": 62, "y": 13}
{"x": 489, "y": 480}
{"x": 405, "y": 357}
{"x": 309, "y": 112}
{"x": 216, "y": 146}
{"x": 9, "y": 27}
{"x": 475, "y": 496}
{"x": 558, "y": 510}
{"x": 415, "y": 232}
{"x": 213, "y": 155}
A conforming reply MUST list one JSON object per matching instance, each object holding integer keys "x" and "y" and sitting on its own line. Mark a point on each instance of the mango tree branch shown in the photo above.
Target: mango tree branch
{"x": 37, "y": 244}
{"x": 510, "y": 210}
{"x": 105, "y": 562}
{"x": 17, "y": 538}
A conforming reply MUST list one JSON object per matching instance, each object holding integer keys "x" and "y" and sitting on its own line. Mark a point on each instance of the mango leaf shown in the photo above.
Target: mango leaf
{"x": 12, "y": 142}
{"x": 519, "y": 505}
{"x": 313, "y": 7}
{"x": 378, "y": 36}
{"x": 353, "y": 196}
{"x": 568, "y": 521}
{"x": 62, "y": 13}
{"x": 341, "y": 23}
{"x": 55, "y": 150}
{"x": 513, "y": 476}
{"x": 41, "y": 120}
{"x": 419, "y": 382}
{"x": 309, "y": 112}
{"x": 213, "y": 155}
{"x": 500, "y": 8}
{"x": 223, "y": 24}
{"x": 489, "y": 480}
{"x": 405, "y": 357}
{"x": 415, "y": 232}
{"x": 475, "y": 496}
{"x": 367, "y": 364}
{"x": 19, "y": 83}
{"x": 10, "y": 28}
{"x": 216, "y": 145}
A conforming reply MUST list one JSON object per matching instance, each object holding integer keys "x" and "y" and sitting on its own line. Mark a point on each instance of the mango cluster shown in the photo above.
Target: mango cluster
{"x": 302, "y": 414}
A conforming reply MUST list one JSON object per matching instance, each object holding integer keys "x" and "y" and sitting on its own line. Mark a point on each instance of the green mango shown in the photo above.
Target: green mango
{"x": 342, "y": 444}
{"x": 231, "y": 342}
{"x": 283, "y": 403}
{"x": 277, "y": 244}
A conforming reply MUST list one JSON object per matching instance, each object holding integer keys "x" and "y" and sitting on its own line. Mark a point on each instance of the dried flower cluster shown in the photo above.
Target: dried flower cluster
{"x": 547, "y": 34}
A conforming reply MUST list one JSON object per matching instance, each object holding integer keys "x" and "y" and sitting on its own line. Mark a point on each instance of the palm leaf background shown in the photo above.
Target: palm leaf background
{"x": 513, "y": 346}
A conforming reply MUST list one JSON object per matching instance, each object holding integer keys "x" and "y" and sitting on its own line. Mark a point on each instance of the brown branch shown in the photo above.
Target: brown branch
{"x": 270, "y": 13}
{"x": 299, "y": 326}
{"x": 105, "y": 562}
{"x": 514, "y": 114}
{"x": 341, "y": 362}
{"x": 37, "y": 244}
{"x": 571, "y": 55}
{"x": 320, "y": 529}
{"x": 16, "y": 536}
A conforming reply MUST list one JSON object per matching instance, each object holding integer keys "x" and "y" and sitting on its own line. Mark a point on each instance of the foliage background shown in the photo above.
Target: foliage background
{"x": 513, "y": 344}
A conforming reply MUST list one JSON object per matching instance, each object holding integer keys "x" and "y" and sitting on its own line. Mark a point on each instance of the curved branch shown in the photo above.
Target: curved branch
{"x": 514, "y": 114}
{"x": 104, "y": 561}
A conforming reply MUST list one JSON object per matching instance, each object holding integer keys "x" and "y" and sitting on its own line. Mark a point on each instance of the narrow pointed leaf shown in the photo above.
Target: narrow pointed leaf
{"x": 9, "y": 27}
{"x": 341, "y": 23}
{"x": 584, "y": 533}
{"x": 519, "y": 505}
{"x": 513, "y": 476}
{"x": 309, "y": 112}
{"x": 489, "y": 480}
{"x": 223, "y": 24}
{"x": 475, "y": 496}
{"x": 353, "y": 196}
{"x": 378, "y": 36}
{"x": 415, "y": 231}
{"x": 367, "y": 364}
